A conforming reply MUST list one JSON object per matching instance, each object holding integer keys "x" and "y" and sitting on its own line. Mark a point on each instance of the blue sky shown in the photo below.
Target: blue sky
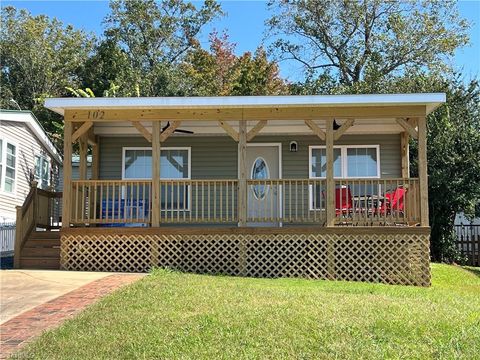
{"x": 244, "y": 22}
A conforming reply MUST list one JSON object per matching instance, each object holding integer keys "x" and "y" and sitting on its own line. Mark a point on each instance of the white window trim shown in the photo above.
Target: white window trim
{"x": 344, "y": 167}
{"x": 43, "y": 157}
{"x": 343, "y": 158}
{"x": 189, "y": 171}
{"x": 6, "y": 141}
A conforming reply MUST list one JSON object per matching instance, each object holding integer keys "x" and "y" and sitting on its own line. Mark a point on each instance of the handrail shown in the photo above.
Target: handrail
{"x": 37, "y": 210}
{"x": 28, "y": 200}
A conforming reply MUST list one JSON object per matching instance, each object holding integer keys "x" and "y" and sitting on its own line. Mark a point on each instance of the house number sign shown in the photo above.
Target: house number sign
{"x": 96, "y": 115}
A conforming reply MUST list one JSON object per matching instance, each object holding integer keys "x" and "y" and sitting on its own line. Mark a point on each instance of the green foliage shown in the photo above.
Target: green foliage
{"x": 257, "y": 75}
{"x": 39, "y": 58}
{"x": 108, "y": 66}
{"x": 170, "y": 315}
{"x": 87, "y": 93}
{"x": 220, "y": 72}
{"x": 145, "y": 43}
{"x": 366, "y": 40}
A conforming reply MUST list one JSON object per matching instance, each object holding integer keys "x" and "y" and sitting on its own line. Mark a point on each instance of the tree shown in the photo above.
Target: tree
{"x": 40, "y": 57}
{"x": 220, "y": 72}
{"x": 108, "y": 67}
{"x": 368, "y": 39}
{"x": 154, "y": 37}
{"x": 257, "y": 75}
{"x": 210, "y": 73}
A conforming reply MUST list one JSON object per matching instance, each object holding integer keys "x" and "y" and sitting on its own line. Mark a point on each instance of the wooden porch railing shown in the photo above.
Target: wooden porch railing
{"x": 377, "y": 201}
{"x": 129, "y": 201}
{"x": 215, "y": 201}
{"x": 289, "y": 201}
{"x": 111, "y": 201}
{"x": 199, "y": 201}
{"x": 41, "y": 209}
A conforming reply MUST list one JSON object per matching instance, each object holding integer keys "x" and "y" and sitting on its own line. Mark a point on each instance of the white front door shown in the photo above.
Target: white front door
{"x": 263, "y": 199}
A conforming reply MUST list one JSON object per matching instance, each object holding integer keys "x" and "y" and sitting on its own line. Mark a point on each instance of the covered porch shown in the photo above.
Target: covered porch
{"x": 315, "y": 186}
{"x": 259, "y": 137}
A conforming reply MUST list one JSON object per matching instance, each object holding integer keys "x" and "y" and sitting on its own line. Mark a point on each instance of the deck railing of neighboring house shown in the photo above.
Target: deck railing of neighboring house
{"x": 286, "y": 201}
{"x": 7, "y": 243}
{"x": 7, "y": 237}
{"x": 41, "y": 209}
{"x": 468, "y": 243}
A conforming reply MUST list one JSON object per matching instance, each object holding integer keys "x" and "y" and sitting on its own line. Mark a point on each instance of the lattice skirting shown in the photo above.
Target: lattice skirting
{"x": 387, "y": 258}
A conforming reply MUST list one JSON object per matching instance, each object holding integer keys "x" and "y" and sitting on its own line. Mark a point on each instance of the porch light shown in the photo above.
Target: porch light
{"x": 293, "y": 146}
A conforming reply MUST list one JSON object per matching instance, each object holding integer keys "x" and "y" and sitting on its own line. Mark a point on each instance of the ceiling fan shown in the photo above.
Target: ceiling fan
{"x": 176, "y": 130}
{"x": 335, "y": 125}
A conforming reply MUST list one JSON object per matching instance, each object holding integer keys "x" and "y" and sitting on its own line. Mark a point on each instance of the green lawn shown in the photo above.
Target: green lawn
{"x": 174, "y": 315}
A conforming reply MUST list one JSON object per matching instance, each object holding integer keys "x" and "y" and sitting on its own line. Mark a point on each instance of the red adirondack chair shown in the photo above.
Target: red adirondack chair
{"x": 394, "y": 202}
{"x": 343, "y": 201}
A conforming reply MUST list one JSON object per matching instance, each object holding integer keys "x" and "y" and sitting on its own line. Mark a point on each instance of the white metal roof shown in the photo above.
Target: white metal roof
{"x": 29, "y": 118}
{"x": 430, "y": 100}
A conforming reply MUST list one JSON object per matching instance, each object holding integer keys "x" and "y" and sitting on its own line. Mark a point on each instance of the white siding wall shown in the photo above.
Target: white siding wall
{"x": 27, "y": 146}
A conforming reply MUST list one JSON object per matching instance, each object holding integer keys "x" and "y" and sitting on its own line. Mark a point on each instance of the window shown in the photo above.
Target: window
{"x": 1, "y": 162}
{"x": 318, "y": 162}
{"x": 174, "y": 164}
{"x": 260, "y": 172}
{"x": 350, "y": 161}
{"x": 362, "y": 162}
{"x": 42, "y": 171}
{"x": 137, "y": 163}
{"x": 8, "y": 163}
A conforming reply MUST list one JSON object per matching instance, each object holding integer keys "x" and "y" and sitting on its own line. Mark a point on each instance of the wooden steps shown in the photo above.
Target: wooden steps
{"x": 41, "y": 251}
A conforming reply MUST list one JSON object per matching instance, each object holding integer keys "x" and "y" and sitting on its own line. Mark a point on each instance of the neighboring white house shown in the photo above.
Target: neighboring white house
{"x": 26, "y": 153}
{"x": 75, "y": 170}
{"x": 461, "y": 219}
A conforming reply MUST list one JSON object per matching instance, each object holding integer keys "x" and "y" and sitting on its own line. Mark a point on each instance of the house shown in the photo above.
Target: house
{"x": 26, "y": 154}
{"x": 264, "y": 186}
{"x": 75, "y": 170}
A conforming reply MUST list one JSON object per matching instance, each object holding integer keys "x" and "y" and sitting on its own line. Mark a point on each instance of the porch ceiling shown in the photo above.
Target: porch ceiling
{"x": 273, "y": 127}
{"x": 246, "y": 107}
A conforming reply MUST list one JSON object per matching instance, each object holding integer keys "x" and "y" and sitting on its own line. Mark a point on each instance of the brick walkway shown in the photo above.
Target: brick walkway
{"x": 16, "y": 332}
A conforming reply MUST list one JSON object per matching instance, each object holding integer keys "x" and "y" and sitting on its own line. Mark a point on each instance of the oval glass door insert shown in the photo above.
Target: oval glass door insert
{"x": 260, "y": 172}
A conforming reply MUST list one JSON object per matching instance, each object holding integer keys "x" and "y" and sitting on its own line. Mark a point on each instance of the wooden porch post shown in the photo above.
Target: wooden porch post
{"x": 156, "y": 211}
{"x": 96, "y": 159}
{"x": 405, "y": 151}
{"x": 422, "y": 170}
{"x": 242, "y": 178}
{"x": 83, "y": 145}
{"x": 330, "y": 208}
{"x": 67, "y": 174}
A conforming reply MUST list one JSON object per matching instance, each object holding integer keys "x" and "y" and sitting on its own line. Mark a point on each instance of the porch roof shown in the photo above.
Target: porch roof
{"x": 430, "y": 100}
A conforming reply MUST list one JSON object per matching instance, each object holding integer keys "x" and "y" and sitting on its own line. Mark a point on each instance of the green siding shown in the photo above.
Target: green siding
{"x": 216, "y": 156}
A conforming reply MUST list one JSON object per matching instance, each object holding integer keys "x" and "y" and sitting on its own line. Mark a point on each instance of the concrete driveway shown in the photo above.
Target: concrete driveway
{"x": 22, "y": 290}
